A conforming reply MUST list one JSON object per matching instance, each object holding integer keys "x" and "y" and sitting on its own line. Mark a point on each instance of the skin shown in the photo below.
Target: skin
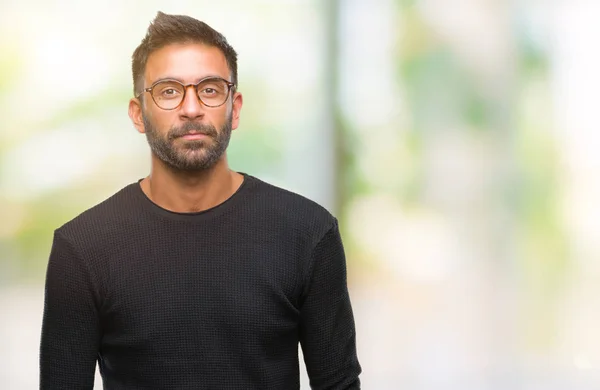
{"x": 185, "y": 190}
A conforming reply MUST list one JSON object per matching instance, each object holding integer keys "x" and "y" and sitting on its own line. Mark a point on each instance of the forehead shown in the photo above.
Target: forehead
{"x": 188, "y": 63}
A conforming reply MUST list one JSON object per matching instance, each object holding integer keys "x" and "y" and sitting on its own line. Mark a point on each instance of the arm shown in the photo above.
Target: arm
{"x": 327, "y": 332}
{"x": 70, "y": 327}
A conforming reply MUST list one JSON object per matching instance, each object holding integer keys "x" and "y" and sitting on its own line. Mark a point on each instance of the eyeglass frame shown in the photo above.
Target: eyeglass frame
{"x": 230, "y": 86}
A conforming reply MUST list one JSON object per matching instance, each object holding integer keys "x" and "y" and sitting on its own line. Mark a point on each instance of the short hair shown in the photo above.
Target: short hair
{"x": 168, "y": 29}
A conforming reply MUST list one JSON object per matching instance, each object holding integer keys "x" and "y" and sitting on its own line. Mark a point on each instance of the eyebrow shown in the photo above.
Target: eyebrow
{"x": 184, "y": 83}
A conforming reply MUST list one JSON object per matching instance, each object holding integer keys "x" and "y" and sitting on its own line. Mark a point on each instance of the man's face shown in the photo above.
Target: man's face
{"x": 193, "y": 136}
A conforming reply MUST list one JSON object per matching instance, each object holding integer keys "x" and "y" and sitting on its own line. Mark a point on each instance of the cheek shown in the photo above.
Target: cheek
{"x": 160, "y": 121}
{"x": 218, "y": 116}
{"x": 229, "y": 111}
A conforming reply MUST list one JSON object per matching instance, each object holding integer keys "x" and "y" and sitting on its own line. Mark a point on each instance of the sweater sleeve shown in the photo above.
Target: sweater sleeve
{"x": 70, "y": 327}
{"x": 327, "y": 333}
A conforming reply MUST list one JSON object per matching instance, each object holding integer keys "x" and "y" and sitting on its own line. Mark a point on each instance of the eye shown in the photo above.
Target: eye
{"x": 209, "y": 91}
{"x": 169, "y": 92}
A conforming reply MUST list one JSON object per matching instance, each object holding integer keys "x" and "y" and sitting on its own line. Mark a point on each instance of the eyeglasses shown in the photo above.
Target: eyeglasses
{"x": 169, "y": 94}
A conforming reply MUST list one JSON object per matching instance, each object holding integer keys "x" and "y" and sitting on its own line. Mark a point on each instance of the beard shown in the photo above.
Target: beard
{"x": 189, "y": 155}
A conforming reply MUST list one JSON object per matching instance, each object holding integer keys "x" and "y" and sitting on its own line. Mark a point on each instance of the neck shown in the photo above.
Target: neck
{"x": 190, "y": 192}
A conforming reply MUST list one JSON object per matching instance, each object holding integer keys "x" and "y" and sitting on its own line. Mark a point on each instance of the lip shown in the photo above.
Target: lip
{"x": 194, "y": 136}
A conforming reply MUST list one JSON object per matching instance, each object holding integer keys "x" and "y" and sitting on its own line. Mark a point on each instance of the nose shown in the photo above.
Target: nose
{"x": 191, "y": 108}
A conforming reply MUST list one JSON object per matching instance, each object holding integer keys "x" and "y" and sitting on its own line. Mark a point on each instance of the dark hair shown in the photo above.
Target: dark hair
{"x": 168, "y": 29}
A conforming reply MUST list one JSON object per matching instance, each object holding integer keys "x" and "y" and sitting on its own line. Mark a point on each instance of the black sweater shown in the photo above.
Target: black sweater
{"x": 218, "y": 299}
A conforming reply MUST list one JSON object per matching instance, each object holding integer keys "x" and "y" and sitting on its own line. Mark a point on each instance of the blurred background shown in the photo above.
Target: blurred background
{"x": 455, "y": 140}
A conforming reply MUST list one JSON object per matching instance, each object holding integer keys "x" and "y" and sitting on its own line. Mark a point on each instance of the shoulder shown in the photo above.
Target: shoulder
{"x": 291, "y": 210}
{"x": 107, "y": 218}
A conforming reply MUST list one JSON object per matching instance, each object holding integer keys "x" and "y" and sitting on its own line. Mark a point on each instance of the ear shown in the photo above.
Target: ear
{"x": 238, "y": 101}
{"x": 135, "y": 113}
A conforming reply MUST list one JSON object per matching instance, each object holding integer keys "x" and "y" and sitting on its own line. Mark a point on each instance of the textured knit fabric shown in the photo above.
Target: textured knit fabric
{"x": 213, "y": 300}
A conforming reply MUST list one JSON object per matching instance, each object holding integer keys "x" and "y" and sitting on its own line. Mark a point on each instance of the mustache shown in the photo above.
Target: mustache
{"x": 188, "y": 127}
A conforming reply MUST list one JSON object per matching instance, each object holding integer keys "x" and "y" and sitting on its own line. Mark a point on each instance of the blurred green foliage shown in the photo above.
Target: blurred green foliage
{"x": 442, "y": 95}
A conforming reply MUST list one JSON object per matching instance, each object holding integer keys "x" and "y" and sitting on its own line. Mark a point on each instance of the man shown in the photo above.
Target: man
{"x": 196, "y": 277}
